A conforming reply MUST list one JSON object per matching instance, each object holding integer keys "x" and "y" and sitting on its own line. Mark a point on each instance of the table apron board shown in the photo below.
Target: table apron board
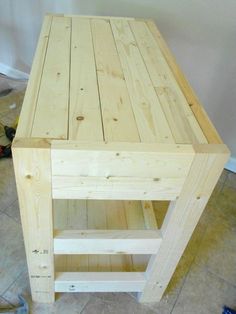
{"x": 125, "y": 171}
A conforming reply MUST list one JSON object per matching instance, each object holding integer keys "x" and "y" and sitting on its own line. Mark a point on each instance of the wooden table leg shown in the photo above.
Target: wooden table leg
{"x": 182, "y": 217}
{"x": 33, "y": 178}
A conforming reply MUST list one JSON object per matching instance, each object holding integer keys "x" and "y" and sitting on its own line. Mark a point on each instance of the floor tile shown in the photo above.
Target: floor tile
{"x": 16, "y": 97}
{"x": 71, "y": 303}
{"x": 223, "y": 176}
{"x": 12, "y": 252}
{"x": 13, "y": 211}
{"x": 226, "y": 204}
{"x": 204, "y": 293}
{"x": 189, "y": 254}
{"x": 231, "y": 179}
{"x": 218, "y": 250}
{"x": 8, "y": 192}
{"x": 20, "y": 286}
{"x": 118, "y": 303}
{"x": 215, "y": 194}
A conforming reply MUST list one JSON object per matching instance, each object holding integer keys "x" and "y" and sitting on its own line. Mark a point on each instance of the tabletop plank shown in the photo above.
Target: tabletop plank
{"x": 201, "y": 115}
{"x": 150, "y": 118}
{"x": 181, "y": 119}
{"x": 51, "y": 116}
{"x": 85, "y": 116}
{"x": 117, "y": 113}
{"x": 31, "y": 96}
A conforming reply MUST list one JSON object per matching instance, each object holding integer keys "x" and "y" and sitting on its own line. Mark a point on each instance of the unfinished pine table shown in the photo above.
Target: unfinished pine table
{"x": 109, "y": 124}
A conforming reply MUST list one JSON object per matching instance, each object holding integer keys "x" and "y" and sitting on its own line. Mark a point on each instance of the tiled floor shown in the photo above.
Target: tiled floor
{"x": 204, "y": 281}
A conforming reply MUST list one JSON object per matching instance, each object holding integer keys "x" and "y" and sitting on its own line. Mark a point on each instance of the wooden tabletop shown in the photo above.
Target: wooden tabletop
{"x": 109, "y": 79}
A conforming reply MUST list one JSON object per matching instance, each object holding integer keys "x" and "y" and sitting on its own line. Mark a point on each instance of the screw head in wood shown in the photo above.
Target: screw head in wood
{"x": 79, "y": 118}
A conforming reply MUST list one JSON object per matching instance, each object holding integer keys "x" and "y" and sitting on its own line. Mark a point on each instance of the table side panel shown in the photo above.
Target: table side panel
{"x": 183, "y": 216}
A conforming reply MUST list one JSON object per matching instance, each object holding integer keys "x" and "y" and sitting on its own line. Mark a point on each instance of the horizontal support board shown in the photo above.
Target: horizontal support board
{"x": 106, "y": 241}
{"x": 121, "y": 159}
{"x": 99, "y": 282}
{"x": 126, "y": 188}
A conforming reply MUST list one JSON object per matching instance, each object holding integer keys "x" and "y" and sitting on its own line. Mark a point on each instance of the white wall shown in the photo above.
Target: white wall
{"x": 201, "y": 33}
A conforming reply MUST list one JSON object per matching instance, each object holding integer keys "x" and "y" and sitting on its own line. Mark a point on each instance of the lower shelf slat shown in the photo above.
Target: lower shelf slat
{"x": 99, "y": 282}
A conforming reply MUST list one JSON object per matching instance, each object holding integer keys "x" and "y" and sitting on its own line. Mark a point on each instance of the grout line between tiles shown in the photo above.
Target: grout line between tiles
{"x": 5, "y": 291}
{"x": 83, "y": 308}
{"x": 12, "y": 218}
{"x": 219, "y": 277}
{"x": 9, "y": 303}
{"x": 9, "y": 205}
{"x": 181, "y": 288}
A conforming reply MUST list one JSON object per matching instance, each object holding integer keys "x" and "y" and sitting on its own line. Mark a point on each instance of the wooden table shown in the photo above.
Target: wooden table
{"x": 108, "y": 125}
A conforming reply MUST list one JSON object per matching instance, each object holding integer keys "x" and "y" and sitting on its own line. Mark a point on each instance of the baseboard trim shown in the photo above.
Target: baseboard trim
{"x": 9, "y": 71}
{"x": 231, "y": 164}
